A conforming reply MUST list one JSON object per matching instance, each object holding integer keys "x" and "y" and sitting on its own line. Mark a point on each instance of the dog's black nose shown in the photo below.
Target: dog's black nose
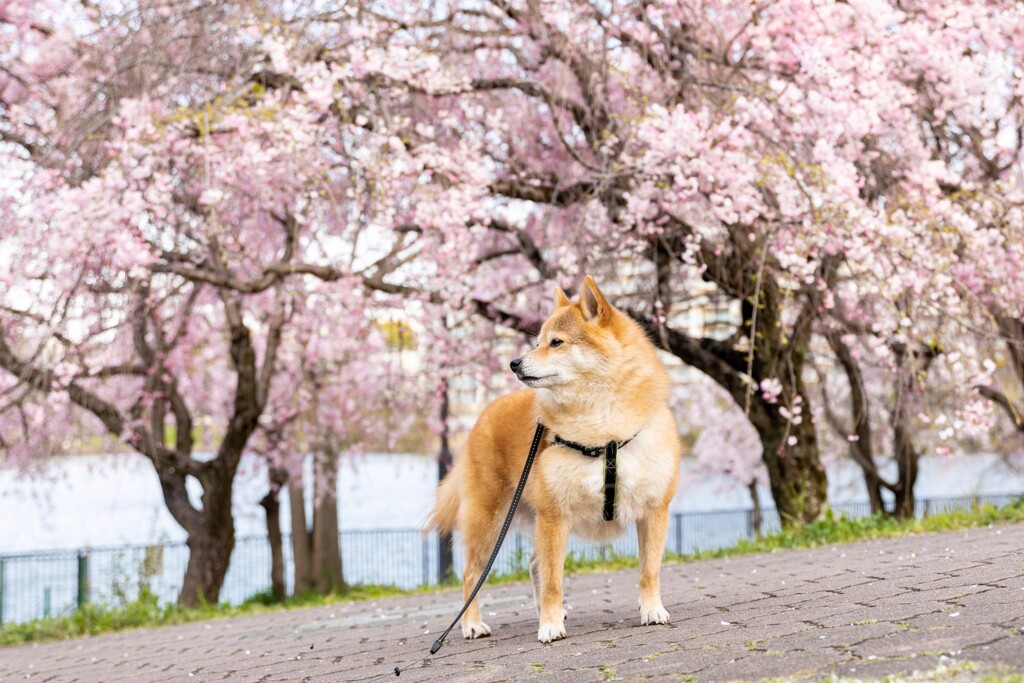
{"x": 515, "y": 364}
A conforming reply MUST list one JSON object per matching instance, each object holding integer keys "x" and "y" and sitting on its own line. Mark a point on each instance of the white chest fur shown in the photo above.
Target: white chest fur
{"x": 645, "y": 469}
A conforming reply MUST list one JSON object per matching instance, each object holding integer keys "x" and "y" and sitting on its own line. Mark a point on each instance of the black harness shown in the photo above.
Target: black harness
{"x": 610, "y": 450}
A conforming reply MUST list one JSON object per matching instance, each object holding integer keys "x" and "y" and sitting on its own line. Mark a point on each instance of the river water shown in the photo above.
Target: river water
{"x": 110, "y": 500}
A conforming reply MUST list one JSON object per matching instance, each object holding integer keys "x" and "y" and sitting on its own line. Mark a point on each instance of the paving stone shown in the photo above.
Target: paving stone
{"x": 1002, "y": 651}
{"x": 949, "y": 641}
{"x": 875, "y": 669}
{"x": 785, "y": 665}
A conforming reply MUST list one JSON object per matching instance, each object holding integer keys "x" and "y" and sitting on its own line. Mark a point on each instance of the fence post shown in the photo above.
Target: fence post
{"x": 2, "y": 572}
{"x": 83, "y": 578}
{"x": 679, "y": 532}
{"x": 750, "y": 524}
{"x": 445, "y": 558}
{"x": 445, "y": 542}
{"x": 426, "y": 562}
{"x": 926, "y": 501}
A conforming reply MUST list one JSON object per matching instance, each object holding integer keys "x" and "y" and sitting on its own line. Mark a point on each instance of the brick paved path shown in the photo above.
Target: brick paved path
{"x": 940, "y": 605}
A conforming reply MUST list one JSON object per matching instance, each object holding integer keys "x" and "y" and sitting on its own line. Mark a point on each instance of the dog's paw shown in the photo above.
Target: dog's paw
{"x": 655, "y": 615}
{"x": 549, "y": 632}
{"x": 478, "y": 630}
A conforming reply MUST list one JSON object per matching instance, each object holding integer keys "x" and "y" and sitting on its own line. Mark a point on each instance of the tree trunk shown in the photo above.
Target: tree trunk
{"x": 903, "y": 448}
{"x": 861, "y": 450}
{"x": 272, "y": 505}
{"x": 795, "y": 473}
{"x": 208, "y": 560}
{"x": 210, "y": 543}
{"x": 326, "y": 565}
{"x": 874, "y": 488}
{"x": 301, "y": 550}
{"x": 445, "y": 555}
{"x": 756, "y": 516}
{"x": 907, "y": 459}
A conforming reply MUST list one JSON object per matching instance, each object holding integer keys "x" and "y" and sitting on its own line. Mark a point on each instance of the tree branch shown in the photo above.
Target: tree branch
{"x": 999, "y": 398}
{"x": 270, "y": 352}
{"x": 528, "y": 247}
{"x": 533, "y": 89}
{"x": 545, "y": 194}
{"x": 714, "y": 358}
{"x": 515, "y": 321}
{"x": 860, "y": 450}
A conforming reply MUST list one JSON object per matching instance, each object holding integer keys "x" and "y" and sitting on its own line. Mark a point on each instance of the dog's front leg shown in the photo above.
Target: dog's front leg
{"x": 550, "y": 542}
{"x": 651, "y": 532}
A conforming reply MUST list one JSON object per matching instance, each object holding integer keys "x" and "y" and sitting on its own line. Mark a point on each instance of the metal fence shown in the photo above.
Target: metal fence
{"x": 52, "y": 583}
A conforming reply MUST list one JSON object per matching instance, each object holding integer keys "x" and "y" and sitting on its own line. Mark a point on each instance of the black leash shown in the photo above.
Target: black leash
{"x": 497, "y": 546}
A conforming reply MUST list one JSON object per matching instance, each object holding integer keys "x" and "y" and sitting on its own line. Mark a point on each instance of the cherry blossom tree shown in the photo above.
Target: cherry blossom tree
{"x": 348, "y": 393}
{"x": 988, "y": 273}
{"x": 778, "y": 152}
{"x": 889, "y": 391}
{"x": 157, "y": 264}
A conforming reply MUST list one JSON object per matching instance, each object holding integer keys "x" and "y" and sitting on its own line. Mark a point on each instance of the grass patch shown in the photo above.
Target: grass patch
{"x": 1002, "y": 675}
{"x": 942, "y": 672}
{"x": 832, "y": 529}
{"x": 829, "y": 530}
{"x": 94, "y": 619}
{"x": 146, "y": 611}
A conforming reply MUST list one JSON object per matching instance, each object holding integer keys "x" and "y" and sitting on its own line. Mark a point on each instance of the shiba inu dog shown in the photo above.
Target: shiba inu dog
{"x": 594, "y": 380}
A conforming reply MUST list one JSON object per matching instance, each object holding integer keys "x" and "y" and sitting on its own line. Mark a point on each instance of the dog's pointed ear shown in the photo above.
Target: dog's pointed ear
{"x": 592, "y": 302}
{"x": 561, "y": 299}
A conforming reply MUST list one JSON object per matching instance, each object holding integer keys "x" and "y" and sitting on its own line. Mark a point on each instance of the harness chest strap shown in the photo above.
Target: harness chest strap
{"x": 610, "y": 451}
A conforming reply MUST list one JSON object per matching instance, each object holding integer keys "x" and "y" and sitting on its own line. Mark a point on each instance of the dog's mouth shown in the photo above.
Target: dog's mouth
{"x": 531, "y": 379}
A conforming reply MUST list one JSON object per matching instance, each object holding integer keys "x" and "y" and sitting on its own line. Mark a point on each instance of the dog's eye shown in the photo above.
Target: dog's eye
{"x": 556, "y": 342}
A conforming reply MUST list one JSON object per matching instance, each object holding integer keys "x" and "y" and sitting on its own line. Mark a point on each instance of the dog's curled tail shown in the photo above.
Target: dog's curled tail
{"x": 446, "y": 508}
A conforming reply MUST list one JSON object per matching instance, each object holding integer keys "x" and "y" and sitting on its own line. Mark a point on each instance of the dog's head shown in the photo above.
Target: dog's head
{"x": 577, "y": 344}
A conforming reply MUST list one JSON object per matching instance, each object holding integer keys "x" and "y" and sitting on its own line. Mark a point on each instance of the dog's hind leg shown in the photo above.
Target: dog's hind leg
{"x": 651, "y": 533}
{"x": 535, "y": 581}
{"x": 479, "y": 532}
